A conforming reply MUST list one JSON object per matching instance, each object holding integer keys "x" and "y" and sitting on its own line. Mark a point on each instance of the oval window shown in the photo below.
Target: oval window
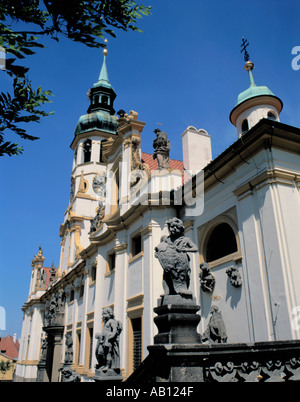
{"x": 271, "y": 116}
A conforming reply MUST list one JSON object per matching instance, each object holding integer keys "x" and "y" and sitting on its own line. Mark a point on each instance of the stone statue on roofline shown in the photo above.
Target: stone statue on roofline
{"x": 52, "y": 273}
{"x": 162, "y": 147}
{"x": 173, "y": 255}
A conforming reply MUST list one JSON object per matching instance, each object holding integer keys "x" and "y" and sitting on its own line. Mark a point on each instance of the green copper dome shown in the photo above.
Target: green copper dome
{"x": 253, "y": 90}
{"x": 98, "y": 120}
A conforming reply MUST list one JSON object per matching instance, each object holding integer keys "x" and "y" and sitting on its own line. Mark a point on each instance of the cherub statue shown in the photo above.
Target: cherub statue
{"x": 172, "y": 253}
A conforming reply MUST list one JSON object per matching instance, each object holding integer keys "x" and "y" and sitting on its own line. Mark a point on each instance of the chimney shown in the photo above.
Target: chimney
{"x": 15, "y": 338}
{"x": 196, "y": 148}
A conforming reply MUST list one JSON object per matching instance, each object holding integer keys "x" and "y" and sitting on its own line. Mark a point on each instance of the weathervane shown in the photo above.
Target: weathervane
{"x": 244, "y": 45}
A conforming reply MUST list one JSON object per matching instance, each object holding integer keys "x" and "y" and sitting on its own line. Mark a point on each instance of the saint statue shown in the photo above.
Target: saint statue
{"x": 215, "y": 331}
{"x": 172, "y": 253}
{"x": 107, "y": 348}
{"x": 68, "y": 375}
{"x": 162, "y": 147}
{"x": 69, "y": 348}
{"x": 44, "y": 350}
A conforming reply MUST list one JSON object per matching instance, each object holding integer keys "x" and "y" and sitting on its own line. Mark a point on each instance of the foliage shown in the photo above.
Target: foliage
{"x": 86, "y": 22}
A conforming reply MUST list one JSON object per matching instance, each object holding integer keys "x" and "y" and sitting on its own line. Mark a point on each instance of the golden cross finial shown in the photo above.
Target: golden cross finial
{"x": 105, "y": 48}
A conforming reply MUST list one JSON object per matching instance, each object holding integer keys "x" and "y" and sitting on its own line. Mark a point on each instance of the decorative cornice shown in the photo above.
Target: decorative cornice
{"x": 129, "y": 126}
{"x": 90, "y": 134}
{"x": 147, "y": 231}
{"x": 135, "y": 302}
{"x": 120, "y": 248}
{"x": 266, "y": 134}
{"x": 266, "y": 178}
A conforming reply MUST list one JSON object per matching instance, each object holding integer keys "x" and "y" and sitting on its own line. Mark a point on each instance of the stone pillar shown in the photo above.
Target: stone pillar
{"x": 53, "y": 362}
{"x": 177, "y": 320}
{"x": 41, "y": 367}
{"x": 42, "y": 375}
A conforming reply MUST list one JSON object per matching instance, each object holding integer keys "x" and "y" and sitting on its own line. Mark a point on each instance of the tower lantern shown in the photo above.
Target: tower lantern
{"x": 255, "y": 103}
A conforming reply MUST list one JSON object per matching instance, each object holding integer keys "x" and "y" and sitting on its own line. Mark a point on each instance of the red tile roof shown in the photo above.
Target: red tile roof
{"x": 153, "y": 165}
{"x": 47, "y": 272}
{"x": 9, "y": 348}
{"x": 175, "y": 165}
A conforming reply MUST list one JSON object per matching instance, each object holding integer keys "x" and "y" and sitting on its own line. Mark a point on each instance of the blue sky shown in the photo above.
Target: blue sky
{"x": 185, "y": 69}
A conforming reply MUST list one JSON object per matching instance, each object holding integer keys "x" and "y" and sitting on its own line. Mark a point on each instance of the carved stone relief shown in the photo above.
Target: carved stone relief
{"x": 207, "y": 279}
{"x": 234, "y": 276}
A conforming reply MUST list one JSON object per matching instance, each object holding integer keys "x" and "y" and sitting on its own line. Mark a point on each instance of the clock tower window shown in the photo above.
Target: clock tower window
{"x": 87, "y": 151}
{"x": 101, "y": 151}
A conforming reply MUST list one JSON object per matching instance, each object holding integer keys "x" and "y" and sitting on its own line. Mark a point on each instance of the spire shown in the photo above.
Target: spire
{"x": 103, "y": 76}
{"x": 253, "y": 89}
{"x": 102, "y": 94}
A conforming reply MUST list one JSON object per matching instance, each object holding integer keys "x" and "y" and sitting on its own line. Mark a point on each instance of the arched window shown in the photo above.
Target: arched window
{"x": 101, "y": 151}
{"x": 221, "y": 242}
{"x": 87, "y": 151}
{"x": 75, "y": 156}
{"x": 245, "y": 126}
{"x": 271, "y": 116}
{"x": 104, "y": 99}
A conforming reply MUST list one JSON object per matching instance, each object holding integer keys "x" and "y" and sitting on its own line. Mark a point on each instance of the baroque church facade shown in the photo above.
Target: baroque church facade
{"x": 240, "y": 210}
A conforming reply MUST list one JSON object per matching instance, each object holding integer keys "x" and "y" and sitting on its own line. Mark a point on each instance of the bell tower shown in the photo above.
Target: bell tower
{"x": 88, "y": 178}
